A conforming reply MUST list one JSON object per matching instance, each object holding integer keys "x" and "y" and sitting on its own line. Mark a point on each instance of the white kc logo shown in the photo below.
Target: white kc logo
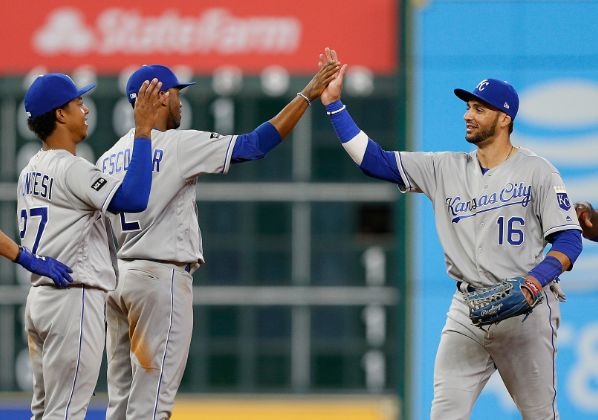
{"x": 482, "y": 85}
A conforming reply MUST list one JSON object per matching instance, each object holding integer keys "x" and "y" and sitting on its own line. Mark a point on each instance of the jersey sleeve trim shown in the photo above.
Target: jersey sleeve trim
{"x": 560, "y": 228}
{"x": 407, "y": 184}
{"x": 108, "y": 200}
{"x": 229, "y": 154}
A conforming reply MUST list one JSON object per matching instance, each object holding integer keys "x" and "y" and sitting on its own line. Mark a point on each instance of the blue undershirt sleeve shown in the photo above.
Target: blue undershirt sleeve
{"x": 255, "y": 145}
{"x": 133, "y": 193}
{"x": 375, "y": 161}
{"x": 342, "y": 122}
{"x": 567, "y": 242}
{"x": 381, "y": 164}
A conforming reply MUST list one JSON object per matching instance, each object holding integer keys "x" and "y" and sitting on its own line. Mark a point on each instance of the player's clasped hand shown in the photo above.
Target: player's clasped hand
{"x": 45, "y": 266}
{"x": 505, "y": 300}
{"x": 321, "y": 79}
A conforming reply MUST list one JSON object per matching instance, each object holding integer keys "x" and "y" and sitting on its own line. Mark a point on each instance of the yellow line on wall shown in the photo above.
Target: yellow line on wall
{"x": 286, "y": 409}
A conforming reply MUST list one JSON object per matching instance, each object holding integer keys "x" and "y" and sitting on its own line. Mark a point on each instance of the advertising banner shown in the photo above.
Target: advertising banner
{"x": 108, "y": 35}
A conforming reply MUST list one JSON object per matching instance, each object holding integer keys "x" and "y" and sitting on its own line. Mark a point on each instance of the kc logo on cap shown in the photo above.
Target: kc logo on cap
{"x": 496, "y": 93}
{"x": 482, "y": 85}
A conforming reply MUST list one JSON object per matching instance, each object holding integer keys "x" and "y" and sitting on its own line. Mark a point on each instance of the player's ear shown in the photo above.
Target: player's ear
{"x": 505, "y": 120}
{"x": 60, "y": 115}
{"x": 163, "y": 95}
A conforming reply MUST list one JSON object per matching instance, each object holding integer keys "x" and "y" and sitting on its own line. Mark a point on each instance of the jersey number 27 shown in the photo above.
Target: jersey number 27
{"x": 42, "y": 213}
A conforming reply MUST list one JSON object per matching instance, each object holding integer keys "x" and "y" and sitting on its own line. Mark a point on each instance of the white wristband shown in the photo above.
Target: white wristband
{"x": 304, "y": 97}
{"x": 336, "y": 111}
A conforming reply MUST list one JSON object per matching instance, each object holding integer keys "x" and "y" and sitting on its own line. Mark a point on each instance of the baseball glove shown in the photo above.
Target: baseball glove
{"x": 505, "y": 300}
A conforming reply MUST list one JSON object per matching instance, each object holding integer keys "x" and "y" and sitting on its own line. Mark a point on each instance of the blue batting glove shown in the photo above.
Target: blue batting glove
{"x": 45, "y": 266}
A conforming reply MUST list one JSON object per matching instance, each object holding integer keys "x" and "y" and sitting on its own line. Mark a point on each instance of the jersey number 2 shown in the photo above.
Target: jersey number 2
{"x": 510, "y": 231}
{"x": 128, "y": 226}
{"x": 42, "y": 213}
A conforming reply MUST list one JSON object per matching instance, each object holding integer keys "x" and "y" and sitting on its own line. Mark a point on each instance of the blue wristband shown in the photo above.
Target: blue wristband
{"x": 334, "y": 107}
{"x": 548, "y": 270}
{"x": 341, "y": 120}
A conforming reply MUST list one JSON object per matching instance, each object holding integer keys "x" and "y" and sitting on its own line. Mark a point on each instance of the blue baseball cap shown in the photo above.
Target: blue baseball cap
{"x": 497, "y": 93}
{"x": 149, "y": 72}
{"x": 50, "y": 91}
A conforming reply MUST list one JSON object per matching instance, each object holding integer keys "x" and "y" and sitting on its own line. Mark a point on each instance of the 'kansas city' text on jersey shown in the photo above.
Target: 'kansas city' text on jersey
{"x": 510, "y": 210}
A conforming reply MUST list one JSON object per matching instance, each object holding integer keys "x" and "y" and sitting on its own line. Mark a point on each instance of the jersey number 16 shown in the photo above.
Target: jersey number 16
{"x": 510, "y": 231}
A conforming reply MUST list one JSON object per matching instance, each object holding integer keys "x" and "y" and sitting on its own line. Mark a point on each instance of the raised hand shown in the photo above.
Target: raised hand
{"x": 45, "y": 266}
{"x": 318, "y": 83}
{"x": 147, "y": 104}
{"x": 333, "y": 90}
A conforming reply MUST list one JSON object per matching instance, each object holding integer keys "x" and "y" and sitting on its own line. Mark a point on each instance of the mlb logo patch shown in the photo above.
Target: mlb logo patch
{"x": 562, "y": 198}
{"x": 98, "y": 184}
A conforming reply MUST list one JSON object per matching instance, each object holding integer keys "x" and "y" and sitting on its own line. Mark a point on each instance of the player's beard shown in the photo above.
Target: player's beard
{"x": 174, "y": 117}
{"x": 483, "y": 134}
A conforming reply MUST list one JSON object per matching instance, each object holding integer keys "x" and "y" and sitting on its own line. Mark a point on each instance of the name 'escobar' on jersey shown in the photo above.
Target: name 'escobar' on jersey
{"x": 36, "y": 183}
{"x": 119, "y": 161}
{"x": 512, "y": 193}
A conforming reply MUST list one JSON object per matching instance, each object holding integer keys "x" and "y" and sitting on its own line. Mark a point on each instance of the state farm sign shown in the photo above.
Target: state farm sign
{"x": 110, "y": 35}
{"x": 127, "y": 31}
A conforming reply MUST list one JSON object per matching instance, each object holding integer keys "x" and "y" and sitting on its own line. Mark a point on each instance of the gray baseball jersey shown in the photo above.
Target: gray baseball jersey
{"x": 494, "y": 225}
{"x": 150, "y": 314}
{"x": 168, "y": 229}
{"x": 60, "y": 205}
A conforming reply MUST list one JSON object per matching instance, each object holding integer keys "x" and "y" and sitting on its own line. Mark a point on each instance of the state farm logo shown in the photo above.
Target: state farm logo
{"x": 65, "y": 31}
{"x": 121, "y": 31}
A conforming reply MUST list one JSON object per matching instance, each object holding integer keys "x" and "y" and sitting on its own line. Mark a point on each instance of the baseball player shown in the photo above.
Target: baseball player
{"x": 150, "y": 314}
{"x": 61, "y": 204}
{"x": 44, "y": 266}
{"x": 495, "y": 209}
